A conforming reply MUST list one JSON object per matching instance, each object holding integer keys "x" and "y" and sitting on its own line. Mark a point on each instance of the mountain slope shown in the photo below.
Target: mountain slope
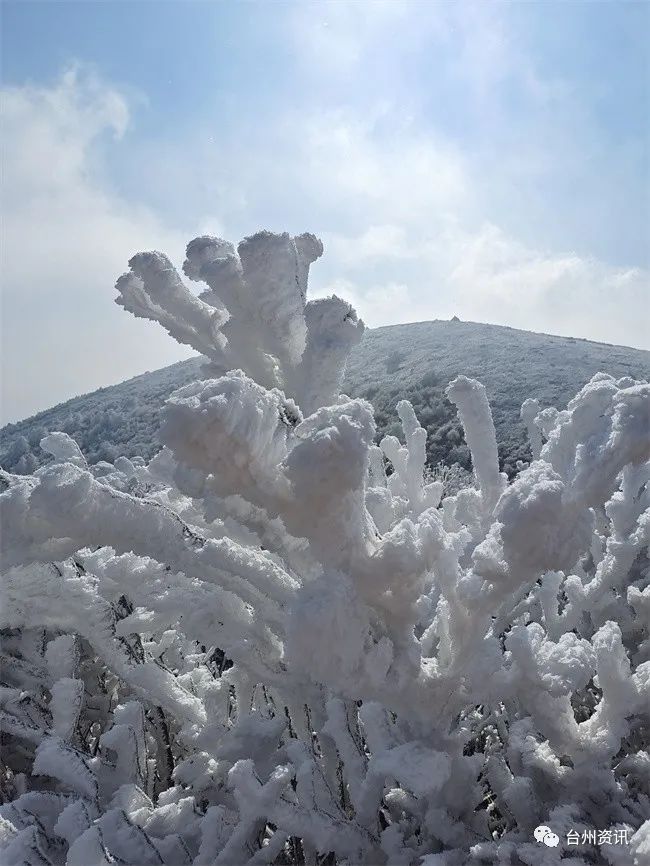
{"x": 414, "y": 361}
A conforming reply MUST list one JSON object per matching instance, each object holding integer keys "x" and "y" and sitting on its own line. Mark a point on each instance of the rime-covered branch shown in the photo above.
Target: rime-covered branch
{"x": 278, "y": 642}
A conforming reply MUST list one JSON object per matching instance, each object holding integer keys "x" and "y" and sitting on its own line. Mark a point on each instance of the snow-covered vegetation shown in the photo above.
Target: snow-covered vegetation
{"x": 278, "y": 642}
{"x": 413, "y": 362}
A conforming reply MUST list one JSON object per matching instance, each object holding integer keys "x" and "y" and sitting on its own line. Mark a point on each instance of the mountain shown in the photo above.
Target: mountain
{"x": 414, "y": 361}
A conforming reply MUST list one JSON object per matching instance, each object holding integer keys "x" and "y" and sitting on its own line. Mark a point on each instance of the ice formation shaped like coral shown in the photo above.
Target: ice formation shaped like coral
{"x": 278, "y": 642}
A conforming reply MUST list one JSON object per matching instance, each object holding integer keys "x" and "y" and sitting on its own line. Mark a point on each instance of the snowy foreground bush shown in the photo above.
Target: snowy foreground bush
{"x": 276, "y": 644}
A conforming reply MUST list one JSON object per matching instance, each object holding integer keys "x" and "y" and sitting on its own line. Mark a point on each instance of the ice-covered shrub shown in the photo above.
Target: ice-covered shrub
{"x": 454, "y": 478}
{"x": 262, "y": 647}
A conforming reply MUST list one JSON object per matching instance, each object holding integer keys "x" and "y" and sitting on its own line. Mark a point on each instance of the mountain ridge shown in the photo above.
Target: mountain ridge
{"x": 413, "y": 361}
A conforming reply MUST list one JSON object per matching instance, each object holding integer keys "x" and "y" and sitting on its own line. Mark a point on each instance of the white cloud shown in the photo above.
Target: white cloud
{"x": 404, "y": 213}
{"x": 334, "y": 35}
{"x": 416, "y": 224}
{"x": 400, "y": 172}
{"x": 67, "y": 237}
{"x": 500, "y": 280}
{"x": 487, "y": 276}
{"x": 380, "y": 304}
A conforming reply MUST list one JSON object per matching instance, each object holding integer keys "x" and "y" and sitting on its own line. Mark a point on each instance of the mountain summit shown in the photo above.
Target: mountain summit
{"x": 414, "y": 361}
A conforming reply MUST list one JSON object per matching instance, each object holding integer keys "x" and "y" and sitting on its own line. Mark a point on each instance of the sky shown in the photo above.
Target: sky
{"x": 486, "y": 160}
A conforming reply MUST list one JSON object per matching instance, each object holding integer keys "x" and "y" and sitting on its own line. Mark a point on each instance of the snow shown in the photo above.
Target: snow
{"x": 283, "y": 641}
{"x": 125, "y": 418}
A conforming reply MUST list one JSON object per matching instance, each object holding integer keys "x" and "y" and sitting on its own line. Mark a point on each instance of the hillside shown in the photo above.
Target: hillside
{"x": 414, "y": 361}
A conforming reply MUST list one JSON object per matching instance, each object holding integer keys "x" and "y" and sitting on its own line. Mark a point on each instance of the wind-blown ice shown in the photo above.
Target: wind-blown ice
{"x": 278, "y": 643}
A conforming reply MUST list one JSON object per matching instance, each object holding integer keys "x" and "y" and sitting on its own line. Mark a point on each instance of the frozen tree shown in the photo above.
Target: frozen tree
{"x": 280, "y": 643}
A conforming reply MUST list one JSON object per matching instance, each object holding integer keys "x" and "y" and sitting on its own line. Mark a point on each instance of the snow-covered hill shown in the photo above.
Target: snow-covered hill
{"x": 414, "y": 361}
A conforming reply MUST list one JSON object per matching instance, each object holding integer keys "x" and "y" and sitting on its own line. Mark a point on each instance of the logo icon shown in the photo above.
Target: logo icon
{"x": 547, "y": 836}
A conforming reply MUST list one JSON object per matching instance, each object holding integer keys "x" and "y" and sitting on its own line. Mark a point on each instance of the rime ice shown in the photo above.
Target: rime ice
{"x": 277, "y": 641}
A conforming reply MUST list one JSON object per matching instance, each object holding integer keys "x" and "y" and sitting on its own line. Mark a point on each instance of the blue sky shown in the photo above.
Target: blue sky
{"x": 482, "y": 159}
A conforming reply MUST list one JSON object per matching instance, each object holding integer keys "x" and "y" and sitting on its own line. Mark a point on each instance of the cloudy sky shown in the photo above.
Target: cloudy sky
{"x": 480, "y": 159}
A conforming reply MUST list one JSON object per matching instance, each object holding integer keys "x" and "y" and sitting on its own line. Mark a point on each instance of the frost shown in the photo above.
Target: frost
{"x": 279, "y": 642}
